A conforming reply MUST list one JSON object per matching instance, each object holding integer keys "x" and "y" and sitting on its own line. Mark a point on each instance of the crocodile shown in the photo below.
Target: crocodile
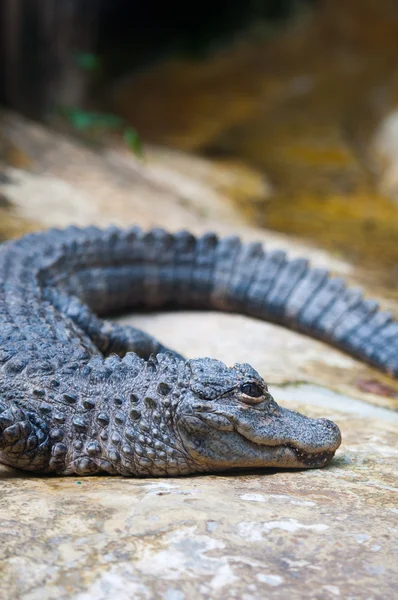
{"x": 80, "y": 394}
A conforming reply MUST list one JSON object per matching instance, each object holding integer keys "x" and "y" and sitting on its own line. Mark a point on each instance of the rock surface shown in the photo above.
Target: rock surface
{"x": 315, "y": 534}
{"x": 385, "y": 147}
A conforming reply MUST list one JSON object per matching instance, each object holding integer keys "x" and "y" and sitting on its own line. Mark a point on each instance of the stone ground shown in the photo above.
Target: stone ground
{"x": 327, "y": 533}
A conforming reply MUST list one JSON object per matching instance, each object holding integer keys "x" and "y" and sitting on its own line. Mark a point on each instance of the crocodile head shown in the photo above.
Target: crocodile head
{"x": 227, "y": 419}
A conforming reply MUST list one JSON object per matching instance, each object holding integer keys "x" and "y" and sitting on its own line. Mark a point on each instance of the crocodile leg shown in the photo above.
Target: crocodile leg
{"x": 101, "y": 427}
{"x": 24, "y": 439}
{"x": 125, "y": 338}
{"x": 108, "y": 337}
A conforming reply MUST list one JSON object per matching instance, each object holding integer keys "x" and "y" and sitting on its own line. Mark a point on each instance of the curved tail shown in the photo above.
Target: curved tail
{"x": 245, "y": 278}
{"x": 115, "y": 269}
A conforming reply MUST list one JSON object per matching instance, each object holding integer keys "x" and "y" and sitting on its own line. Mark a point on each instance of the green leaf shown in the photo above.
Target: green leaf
{"x": 83, "y": 120}
{"x": 133, "y": 141}
{"x": 80, "y": 119}
{"x": 87, "y": 61}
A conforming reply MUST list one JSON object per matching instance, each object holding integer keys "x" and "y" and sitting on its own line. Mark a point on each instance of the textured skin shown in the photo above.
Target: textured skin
{"x": 79, "y": 394}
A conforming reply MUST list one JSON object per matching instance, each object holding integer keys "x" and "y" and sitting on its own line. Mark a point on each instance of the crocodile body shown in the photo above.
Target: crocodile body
{"x": 80, "y": 394}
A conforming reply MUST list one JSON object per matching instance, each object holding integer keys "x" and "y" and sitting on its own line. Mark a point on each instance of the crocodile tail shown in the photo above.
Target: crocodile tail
{"x": 226, "y": 274}
{"x": 272, "y": 287}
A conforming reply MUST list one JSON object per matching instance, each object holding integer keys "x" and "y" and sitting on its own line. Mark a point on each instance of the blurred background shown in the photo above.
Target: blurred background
{"x": 298, "y": 99}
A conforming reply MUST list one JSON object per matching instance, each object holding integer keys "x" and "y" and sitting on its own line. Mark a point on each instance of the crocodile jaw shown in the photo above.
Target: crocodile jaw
{"x": 287, "y": 440}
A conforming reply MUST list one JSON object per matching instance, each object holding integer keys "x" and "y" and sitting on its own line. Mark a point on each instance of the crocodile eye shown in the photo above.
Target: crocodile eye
{"x": 251, "y": 390}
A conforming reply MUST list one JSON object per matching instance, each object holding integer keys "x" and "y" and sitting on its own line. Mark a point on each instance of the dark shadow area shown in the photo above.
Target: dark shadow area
{"x": 45, "y": 50}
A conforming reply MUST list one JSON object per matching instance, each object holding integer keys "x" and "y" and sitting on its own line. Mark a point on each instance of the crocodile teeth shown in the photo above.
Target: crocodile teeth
{"x": 312, "y": 458}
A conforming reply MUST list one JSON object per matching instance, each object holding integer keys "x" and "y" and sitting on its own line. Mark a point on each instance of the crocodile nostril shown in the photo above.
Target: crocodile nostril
{"x": 328, "y": 424}
{"x": 332, "y": 428}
